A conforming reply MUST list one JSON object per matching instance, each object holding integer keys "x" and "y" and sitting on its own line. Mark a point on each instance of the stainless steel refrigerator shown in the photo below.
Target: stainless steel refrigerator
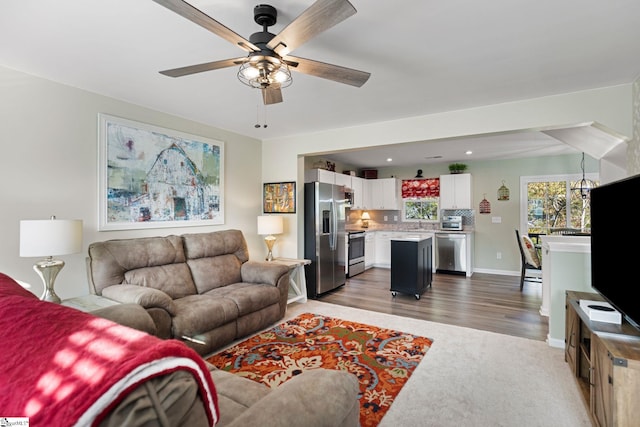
{"x": 324, "y": 237}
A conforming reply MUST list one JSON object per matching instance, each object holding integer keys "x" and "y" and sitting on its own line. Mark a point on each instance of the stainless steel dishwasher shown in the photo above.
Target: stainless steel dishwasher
{"x": 451, "y": 253}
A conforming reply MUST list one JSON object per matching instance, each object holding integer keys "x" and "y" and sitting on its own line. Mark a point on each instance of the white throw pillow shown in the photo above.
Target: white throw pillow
{"x": 530, "y": 252}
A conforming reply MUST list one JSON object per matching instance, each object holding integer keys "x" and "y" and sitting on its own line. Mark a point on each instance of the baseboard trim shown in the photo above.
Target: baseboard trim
{"x": 555, "y": 342}
{"x": 499, "y": 272}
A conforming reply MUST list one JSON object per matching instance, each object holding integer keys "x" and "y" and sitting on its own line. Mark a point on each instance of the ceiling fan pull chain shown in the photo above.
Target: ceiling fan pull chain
{"x": 257, "y": 125}
{"x": 265, "y": 115}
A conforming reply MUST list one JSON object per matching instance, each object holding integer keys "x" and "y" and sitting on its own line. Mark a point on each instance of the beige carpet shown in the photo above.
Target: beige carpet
{"x": 474, "y": 378}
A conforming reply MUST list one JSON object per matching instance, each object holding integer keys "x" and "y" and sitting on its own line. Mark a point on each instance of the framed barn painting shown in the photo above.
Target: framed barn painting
{"x": 152, "y": 177}
{"x": 279, "y": 197}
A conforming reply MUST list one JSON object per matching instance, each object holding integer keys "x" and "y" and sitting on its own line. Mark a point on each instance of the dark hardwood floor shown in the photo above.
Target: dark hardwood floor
{"x": 483, "y": 301}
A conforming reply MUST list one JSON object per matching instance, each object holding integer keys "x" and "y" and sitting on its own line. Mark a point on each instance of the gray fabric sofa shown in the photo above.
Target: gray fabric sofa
{"x": 166, "y": 396}
{"x": 200, "y": 288}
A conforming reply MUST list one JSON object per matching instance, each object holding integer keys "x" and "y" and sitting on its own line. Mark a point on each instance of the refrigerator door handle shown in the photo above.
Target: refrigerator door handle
{"x": 332, "y": 227}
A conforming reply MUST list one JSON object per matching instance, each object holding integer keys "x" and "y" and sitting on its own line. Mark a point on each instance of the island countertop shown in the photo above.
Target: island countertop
{"x": 416, "y": 238}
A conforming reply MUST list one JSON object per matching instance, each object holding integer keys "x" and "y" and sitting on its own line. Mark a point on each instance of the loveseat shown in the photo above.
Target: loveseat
{"x": 63, "y": 367}
{"x": 200, "y": 288}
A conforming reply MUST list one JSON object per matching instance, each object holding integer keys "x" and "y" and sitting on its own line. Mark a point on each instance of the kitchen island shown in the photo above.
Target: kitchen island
{"x": 411, "y": 266}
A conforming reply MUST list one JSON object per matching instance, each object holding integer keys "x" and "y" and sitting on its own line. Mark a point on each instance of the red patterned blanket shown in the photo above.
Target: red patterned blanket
{"x": 59, "y": 366}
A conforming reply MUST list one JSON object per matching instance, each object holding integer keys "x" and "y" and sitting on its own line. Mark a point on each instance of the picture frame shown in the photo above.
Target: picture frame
{"x": 153, "y": 177}
{"x": 279, "y": 197}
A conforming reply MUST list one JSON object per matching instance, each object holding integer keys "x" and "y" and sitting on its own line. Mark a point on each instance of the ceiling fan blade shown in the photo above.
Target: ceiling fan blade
{"x": 272, "y": 95}
{"x": 185, "y": 10}
{"x": 199, "y": 68}
{"x": 320, "y": 16}
{"x": 336, "y": 73}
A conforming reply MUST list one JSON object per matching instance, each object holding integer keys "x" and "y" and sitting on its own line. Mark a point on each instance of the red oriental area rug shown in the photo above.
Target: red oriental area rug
{"x": 382, "y": 359}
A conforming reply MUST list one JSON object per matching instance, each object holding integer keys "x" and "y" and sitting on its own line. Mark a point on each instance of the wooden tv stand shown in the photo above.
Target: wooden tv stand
{"x": 605, "y": 359}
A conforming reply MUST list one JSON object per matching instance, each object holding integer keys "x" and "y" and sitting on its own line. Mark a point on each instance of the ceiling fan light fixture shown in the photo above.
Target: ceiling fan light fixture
{"x": 262, "y": 71}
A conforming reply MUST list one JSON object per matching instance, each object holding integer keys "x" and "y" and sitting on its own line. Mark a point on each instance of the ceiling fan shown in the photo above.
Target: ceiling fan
{"x": 268, "y": 63}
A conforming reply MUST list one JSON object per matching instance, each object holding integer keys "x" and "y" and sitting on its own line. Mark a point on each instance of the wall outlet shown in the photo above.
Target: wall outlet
{"x": 395, "y": 217}
{"x": 496, "y": 219}
{"x": 386, "y": 218}
{"x": 498, "y": 255}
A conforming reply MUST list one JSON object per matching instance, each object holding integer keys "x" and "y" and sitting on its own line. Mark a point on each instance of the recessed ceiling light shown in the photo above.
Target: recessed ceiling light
{"x": 389, "y": 159}
{"x": 468, "y": 152}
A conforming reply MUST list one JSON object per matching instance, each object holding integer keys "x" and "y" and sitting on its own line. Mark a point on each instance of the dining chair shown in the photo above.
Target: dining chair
{"x": 530, "y": 260}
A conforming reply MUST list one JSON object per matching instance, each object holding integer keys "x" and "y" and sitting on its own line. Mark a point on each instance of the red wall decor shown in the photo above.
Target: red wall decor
{"x": 420, "y": 188}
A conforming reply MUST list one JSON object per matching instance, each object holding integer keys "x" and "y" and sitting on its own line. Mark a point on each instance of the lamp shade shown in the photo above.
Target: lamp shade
{"x": 365, "y": 215}
{"x": 50, "y": 237}
{"x": 270, "y": 224}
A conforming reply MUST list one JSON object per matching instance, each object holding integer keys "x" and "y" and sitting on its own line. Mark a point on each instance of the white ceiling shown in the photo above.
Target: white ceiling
{"x": 424, "y": 56}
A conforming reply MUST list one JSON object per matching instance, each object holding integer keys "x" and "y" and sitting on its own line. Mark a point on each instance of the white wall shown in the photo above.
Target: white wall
{"x": 48, "y": 166}
{"x": 611, "y": 107}
{"x": 49, "y": 158}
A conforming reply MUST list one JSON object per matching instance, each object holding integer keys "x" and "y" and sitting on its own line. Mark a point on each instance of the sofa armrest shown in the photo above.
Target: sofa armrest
{"x": 319, "y": 397}
{"x": 131, "y": 315}
{"x": 263, "y": 272}
{"x": 134, "y": 294}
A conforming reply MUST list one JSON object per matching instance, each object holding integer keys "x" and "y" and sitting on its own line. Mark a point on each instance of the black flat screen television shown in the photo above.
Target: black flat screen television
{"x": 613, "y": 251}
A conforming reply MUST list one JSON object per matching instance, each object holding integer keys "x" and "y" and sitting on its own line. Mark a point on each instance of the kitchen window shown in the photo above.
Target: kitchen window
{"x": 425, "y": 209}
{"x": 421, "y": 199}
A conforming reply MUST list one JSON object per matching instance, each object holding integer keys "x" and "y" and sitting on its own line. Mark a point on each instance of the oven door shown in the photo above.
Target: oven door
{"x": 356, "y": 254}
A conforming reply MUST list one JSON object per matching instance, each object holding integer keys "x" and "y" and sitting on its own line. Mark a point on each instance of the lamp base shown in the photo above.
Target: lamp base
{"x": 48, "y": 270}
{"x": 270, "y": 241}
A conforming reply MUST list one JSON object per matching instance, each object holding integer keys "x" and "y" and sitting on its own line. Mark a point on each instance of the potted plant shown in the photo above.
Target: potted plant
{"x": 457, "y": 167}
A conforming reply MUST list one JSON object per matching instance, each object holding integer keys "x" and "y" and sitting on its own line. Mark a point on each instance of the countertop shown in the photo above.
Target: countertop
{"x": 410, "y": 230}
{"x": 410, "y": 238}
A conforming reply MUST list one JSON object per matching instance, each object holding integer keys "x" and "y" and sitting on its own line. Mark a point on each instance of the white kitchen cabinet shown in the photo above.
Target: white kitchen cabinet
{"x": 357, "y": 187}
{"x": 455, "y": 191}
{"x": 342, "y": 179}
{"x": 383, "y": 194}
{"x": 383, "y": 249}
{"x": 320, "y": 175}
{"x": 369, "y": 249}
{"x": 367, "y": 188}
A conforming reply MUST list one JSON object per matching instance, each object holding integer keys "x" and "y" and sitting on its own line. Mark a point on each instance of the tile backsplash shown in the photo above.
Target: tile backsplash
{"x": 389, "y": 220}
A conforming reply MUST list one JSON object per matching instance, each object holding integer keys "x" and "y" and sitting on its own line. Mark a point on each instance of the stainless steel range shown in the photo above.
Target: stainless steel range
{"x": 355, "y": 253}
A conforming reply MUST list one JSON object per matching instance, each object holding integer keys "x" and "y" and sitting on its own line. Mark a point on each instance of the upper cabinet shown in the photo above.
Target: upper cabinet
{"x": 455, "y": 191}
{"x": 383, "y": 194}
{"x": 343, "y": 179}
{"x": 380, "y": 194}
{"x": 320, "y": 175}
{"x": 357, "y": 186}
{"x": 328, "y": 177}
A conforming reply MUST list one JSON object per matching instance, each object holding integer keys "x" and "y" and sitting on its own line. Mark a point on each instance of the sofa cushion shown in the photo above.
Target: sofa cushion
{"x": 203, "y": 245}
{"x": 248, "y": 297}
{"x": 172, "y": 279}
{"x": 211, "y": 273}
{"x": 215, "y": 259}
{"x": 110, "y": 260}
{"x": 196, "y": 314}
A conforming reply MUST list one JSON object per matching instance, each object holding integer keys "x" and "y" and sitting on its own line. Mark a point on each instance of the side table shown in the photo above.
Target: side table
{"x": 89, "y": 303}
{"x": 297, "y": 278}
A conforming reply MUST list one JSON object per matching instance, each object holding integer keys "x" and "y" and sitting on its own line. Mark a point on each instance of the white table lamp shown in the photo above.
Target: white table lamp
{"x": 365, "y": 219}
{"x": 49, "y": 238}
{"x": 268, "y": 225}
